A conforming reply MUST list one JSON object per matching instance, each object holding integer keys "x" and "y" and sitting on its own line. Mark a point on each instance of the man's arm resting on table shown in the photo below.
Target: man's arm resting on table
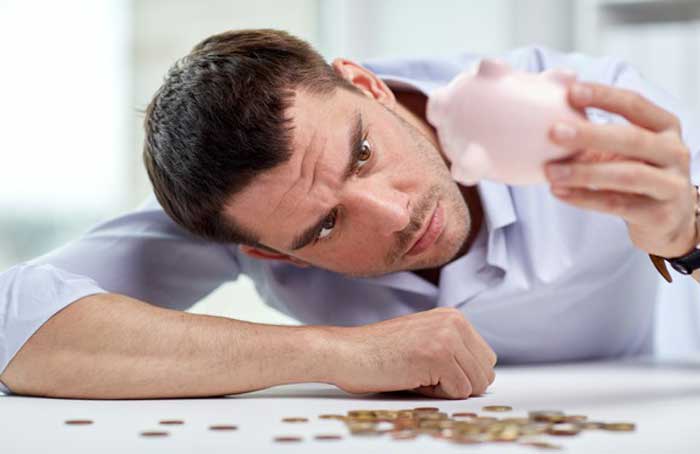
{"x": 109, "y": 346}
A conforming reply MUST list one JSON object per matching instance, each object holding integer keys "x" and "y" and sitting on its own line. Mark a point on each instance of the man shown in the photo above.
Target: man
{"x": 327, "y": 186}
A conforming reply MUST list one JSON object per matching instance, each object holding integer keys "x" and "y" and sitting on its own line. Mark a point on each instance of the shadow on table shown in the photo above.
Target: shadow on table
{"x": 592, "y": 392}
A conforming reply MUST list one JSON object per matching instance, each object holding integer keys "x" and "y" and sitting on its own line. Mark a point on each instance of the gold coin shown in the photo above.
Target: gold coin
{"x": 592, "y": 425}
{"x": 547, "y": 416}
{"x": 619, "y": 426}
{"x": 564, "y": 429}
{"x": 484, "y": 420}
{"x": 171, "y": 422}
{"x": 541, "y": 445}
{"x": 426, "y": 409}
{"x": 330, "y": 416}
{"x": 464, "y": 439}
{"x": 575, "y": 418}
{"x": 154, "y": 433}
{"x": 516, "y": 421}
{"x": 288, "y": 439}
{"x": 295, "y": 419}
{"x": 328, "y": 437}
{"x": 434, "y": 415}
{"x": 79, "y": 422}
{"x": 499, "y": 408}
{"x": 223, "y": 427}
{"x": 403, "y": 434}
{"x": 464, "y": 414}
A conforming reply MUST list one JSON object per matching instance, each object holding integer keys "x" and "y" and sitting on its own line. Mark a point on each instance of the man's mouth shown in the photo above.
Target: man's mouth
{"x": 430, "y": 231}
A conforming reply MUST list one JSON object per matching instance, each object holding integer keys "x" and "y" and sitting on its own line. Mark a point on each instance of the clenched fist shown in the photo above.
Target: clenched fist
{"x": 436, "y": 353}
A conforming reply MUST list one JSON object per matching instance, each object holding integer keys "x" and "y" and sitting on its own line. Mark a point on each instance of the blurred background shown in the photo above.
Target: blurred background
{"x": 77, "y": 73}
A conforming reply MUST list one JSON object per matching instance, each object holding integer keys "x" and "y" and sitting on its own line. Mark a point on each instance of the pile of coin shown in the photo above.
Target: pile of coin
{"x": 471, "y": 428}
{"x": 460, "y": 428}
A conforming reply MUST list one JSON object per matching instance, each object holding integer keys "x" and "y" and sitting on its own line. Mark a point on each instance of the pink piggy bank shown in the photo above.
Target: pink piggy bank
{"x": 494, "y": 122}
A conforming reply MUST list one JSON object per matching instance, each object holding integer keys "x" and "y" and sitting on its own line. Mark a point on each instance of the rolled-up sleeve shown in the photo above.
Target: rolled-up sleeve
{"x": 31, "y": 294}
{"x": 142, "y": 254}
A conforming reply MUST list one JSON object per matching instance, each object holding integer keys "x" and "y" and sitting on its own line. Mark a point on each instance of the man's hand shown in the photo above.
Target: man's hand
{"x": 639, "y": 171}
{"x": 436, "y": 353}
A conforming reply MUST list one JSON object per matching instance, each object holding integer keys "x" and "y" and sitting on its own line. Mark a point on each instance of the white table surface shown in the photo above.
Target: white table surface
{"x": 662, "y": 398}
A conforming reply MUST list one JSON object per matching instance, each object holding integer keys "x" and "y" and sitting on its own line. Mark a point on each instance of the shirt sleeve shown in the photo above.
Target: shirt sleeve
{"x": 142, "y": 254}
{"x": 614, "y": 71}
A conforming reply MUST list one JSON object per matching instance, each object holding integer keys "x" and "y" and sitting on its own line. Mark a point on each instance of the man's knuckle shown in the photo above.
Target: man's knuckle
{"x": 614, "y": 202}
{"x": 491, "y": 375}
{"x": 466, "y": 389}
{"x": 682, "y": 155}
{"x": 675, "y": 121}
{"x": 628, "y": 177}
{"x": 636, "y": 102}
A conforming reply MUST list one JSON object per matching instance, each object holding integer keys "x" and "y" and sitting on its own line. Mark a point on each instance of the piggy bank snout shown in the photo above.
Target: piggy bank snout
{"x": 435, "y": 110}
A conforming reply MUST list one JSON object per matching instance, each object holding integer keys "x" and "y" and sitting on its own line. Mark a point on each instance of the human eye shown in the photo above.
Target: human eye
{"x": 327, "y": 226}
{"x": 364, "y": 154}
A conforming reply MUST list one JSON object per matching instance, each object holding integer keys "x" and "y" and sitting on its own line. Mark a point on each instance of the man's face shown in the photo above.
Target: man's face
{"x": 361, "y": 186}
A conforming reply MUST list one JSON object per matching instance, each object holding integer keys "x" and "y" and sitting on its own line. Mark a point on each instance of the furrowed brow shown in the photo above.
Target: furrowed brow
{"x": 355, "y": 143}
{"x": 308, "y": 235}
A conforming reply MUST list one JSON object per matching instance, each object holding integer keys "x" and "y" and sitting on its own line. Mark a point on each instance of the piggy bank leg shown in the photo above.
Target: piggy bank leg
{"x": 471, "y": 165}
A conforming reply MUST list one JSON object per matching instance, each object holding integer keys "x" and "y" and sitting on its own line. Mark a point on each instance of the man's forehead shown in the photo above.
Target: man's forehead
{"x": 277, "y": 193}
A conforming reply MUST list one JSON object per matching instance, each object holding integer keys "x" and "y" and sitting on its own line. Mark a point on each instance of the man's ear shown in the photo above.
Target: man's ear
{"x": 267, "y": 254}
{"x": 364, "y": 79}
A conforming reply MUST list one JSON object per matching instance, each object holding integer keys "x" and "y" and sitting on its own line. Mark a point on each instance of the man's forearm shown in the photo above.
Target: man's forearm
{"x": 110, "y": 346}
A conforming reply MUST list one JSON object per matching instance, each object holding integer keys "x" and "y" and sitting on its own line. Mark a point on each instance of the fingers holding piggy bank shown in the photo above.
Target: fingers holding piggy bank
{"x": 493, "y": 123}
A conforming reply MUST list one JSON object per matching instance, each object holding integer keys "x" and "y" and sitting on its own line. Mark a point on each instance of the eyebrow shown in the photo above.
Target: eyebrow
{"x": 355, "y": 143}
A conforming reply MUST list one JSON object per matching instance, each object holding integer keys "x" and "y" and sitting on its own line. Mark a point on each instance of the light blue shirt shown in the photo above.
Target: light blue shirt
{"x": 544, "y": 281}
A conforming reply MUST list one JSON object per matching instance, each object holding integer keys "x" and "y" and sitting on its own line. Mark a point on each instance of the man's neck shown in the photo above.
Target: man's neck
{"x": 413, "y": 106}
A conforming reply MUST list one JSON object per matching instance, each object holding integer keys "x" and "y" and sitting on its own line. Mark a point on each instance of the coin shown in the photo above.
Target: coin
{"x": 547, "y": 416}
{"x": 171, "y": 422}
{"x": 154, "y": 433}
{"x": 593, "y": 425}
{"x": 499, "y": 408}
{"x": 541, "y": 445}
{"x": 362, "y": 427}
{"x": 469, "y": 427}
{"x": 288, "y": 439}
{"x": 403, "y": 434}
{"x": 564, "y": 428}
{"x": 619, "y": 426}
{"x": 575, "y": 418}
{"x": 223, "y": 427}
{"x": 79, "y": 422}
{"x": 328, "y": 437}
{"x": 295, "y": 419}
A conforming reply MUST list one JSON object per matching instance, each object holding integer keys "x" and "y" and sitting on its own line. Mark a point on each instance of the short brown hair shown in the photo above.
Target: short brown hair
{"x": 219, "y": 120}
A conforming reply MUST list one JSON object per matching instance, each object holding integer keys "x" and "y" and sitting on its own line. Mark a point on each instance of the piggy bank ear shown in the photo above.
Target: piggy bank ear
{"x": 493, "y": 68}
{"x": 564, "y": 77}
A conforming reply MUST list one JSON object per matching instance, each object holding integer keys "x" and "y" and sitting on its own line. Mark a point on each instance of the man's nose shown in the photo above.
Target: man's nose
{"x": 384, "y": 210}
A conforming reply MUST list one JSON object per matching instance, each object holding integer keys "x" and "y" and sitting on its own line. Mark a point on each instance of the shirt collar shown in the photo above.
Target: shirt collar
{"x": 495, "y": 197}
{"x": 497, "y": 203}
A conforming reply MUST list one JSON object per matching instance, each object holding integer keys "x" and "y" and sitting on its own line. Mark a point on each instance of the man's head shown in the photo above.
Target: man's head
{"x": 254, "y": 139}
